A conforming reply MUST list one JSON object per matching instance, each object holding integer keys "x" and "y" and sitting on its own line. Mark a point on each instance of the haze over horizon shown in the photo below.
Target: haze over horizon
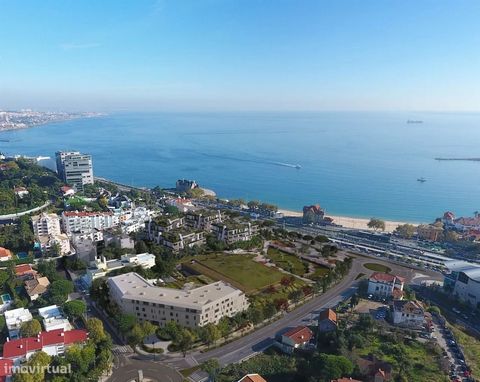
{"x": 250, "y": 55}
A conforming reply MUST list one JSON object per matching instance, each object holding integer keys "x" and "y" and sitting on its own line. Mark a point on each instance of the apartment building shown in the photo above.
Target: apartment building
{"x": 203, "y": 219}
{"x": 190, "y": 308}
{"x": 230, "y": 231}
{"x": 180, "y": 239}
{"x": 408, "y": 313}
{"x": 46, "y": 224}
{"x": 76, "y": 169}
{"x": 87, "y": 222}
{"x": 161, "y": 224}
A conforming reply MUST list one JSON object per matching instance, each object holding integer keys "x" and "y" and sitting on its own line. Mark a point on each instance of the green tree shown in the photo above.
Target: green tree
{"x": 125, "y": 322}
{"x": 185, "y": 341}
{"x": 376, "y": 224}
{"x": 210, "y": 334}
{"x": 212, "y": 368}
{"x": 30, "y": 328}
{"x": 59, "y": 291}
{"x": 405, "y": 230}
{"x": 75, "y": 309}
{"x": 96, "y": 332}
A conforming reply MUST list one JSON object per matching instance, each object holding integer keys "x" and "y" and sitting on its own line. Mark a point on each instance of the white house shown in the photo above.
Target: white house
{"x": 53, "y": 318}
{"x": 385, "y": 285}
{"x": 296, "y": 338}
{"x": 145, "y": 260}
{"x": 14, "y": 319}
{"x": 408, "y": 313}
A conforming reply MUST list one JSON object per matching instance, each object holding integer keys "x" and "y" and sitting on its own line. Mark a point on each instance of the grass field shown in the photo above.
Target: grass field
{"x": 287, "y": 262}
{"x": 318, "y": 273}
{"x": 377, "y": 267}
{"x": 239, "y": 270}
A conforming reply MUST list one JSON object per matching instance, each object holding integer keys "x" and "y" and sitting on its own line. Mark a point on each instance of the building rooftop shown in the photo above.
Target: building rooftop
{"x": 5, "y": 253}
{"x": 385, "y": 277}
{"x": 328, "y": 314}
{"x": 133, "y": 286}
{"x": 299, "y": 335}
{"x": 252, "y": 378}
{"x": 24, "y": 269}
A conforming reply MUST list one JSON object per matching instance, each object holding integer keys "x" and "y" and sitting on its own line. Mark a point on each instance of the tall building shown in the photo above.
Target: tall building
{"x": 75, "y": 169}
{"x": 46, "y": 224}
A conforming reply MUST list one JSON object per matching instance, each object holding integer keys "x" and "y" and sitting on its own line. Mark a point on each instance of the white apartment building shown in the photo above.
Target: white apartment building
{"x": 75, "y": 168}
{"x": 190, "y": 308}
{"x": 231, "y": 232}
{"x": 46, "y": 224}
{"x": 87, "y": 222}
{"x": 48, "y": 242}
{"x": 408, "y": 313}
{"x": 385, "y": 285}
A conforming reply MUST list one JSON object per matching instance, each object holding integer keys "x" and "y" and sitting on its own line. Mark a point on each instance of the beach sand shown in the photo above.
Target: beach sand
{"x": 350, "y": 222}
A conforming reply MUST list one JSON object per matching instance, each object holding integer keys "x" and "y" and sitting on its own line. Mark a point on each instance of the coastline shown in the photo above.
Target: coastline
{"x": 351, "y": 222}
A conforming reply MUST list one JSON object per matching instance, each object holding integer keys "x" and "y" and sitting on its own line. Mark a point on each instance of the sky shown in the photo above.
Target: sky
{"x": 221, "y": 55}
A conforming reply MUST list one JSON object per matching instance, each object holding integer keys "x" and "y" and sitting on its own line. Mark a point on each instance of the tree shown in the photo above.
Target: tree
{"x": 211, "y": 367}
{"x": 30, "y": 328}
{"x": 125, "y": 322}
{"x": 405, "y": 230}
{"x": 209, "y": 334}
{"x": 96, "y": 332}
{"x": 376, "y": 224}
{"x": 185, "y": 341}
{"x": 59, "y": 291}
{"x": 269, "y": 310}
{"x": 48, "y": 269}
{"x": 75, "y": 309}
{"x": 255, "y": 314}
{"x": 329, "y": 366}
{"x": 37, "y": 364}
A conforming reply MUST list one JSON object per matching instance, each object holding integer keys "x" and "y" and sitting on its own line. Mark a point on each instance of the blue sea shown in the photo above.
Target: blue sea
{"x": 352, "y": 164}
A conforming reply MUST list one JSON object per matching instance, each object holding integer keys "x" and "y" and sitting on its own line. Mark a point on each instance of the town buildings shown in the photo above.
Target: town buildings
{"x": 75, "y": 168}
{"x": 408, "y": 313}
{"x": 313, "y": 214}
{"x": 463, "y": 281}
{"x": 385, "y": 285}
{"x": 184, "y": 185}
{"x": 25, "y": 271}
{"x": 190, "y": 308}
{"x": 203, "y": 219}
{"x": 429, "y": 232}
{"x": 231, "y": 231}
{"x": 36, "y": 287}
{"x": 46, "y": 224}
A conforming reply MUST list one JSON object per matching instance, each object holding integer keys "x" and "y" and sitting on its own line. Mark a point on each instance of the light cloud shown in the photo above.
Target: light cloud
{"x": 75, "y": 46}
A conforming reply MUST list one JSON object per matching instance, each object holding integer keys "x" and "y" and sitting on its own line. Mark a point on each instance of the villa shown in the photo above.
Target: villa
{"x": 25, "y": 271}
{"x": 53, "y": 319}
{"x": 385, "y": 285}
{"x": 408, "y": 313}
{"x": 36, "y": 287}
{"x": 14, "y": 319}
{"x": 296, "y": 338}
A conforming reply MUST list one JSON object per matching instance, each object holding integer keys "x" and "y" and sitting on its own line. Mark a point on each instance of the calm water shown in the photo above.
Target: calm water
{"x": 354, "y": 164}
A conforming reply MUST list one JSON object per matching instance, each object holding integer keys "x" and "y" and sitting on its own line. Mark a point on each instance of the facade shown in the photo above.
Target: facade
{"x": 46, "y": 224}
{"x": 36, "y": 287}
{"x": 5, "y": 254}
{"x": 49, "y": 242}
{"x": 53, "y": 319}
{"x": 190, "y": 308}
{"x": 161, "y": 224}
{"x": 76, "y": 169}
{"x": 203, "y": 219}
{"x": 231, "y": 232}
{"x": 408, "y": 313}
{"x": 463, "y": 281}
{"x": 53, "y": 343}
{"x": 385, "y": 285}
{"x": 14, "y": 319}
{"x": 145, "y": 260}
{"x": 327, "y": 321}
{"x": 88, "y": 222}
{"x": 296, "y": 338}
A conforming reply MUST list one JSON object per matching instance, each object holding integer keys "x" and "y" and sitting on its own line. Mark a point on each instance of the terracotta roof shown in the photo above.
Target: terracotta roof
{"x": 19, "y": 348}
{"x": 24, "y": 269}
{"x": 316, "y": 209}
{"x": 328, "y": 314}
{"x": 66, "y": 188}
{"x": 386, "y": 277}
{"x": 4, "y": 252}
{"x": 252, "y": 378}
{"x": 345, "y": 380}
{"x": 299, "y": 335}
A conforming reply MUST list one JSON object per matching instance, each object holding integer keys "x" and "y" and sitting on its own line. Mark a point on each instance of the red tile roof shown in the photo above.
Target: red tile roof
{"x": 328, "y": 314}
{"x": 252, "y": 378}
{"x": 385, "y": 277}
{"x": 300, "y": 334}
{"x": 20, "y": 347}
{"x": 24, "y": 269}
{"x": 4, "y": 252}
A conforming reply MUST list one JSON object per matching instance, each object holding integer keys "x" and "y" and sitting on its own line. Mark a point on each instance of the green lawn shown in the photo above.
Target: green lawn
{"x": 377, "y": 267}
{"x": 287, "y": 262}
{"x": 318, "y": 273}
{"x": 239, "y": 270}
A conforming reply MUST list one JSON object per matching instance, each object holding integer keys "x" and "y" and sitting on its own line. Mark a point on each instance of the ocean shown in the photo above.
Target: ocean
{"x": 352, "y": 164}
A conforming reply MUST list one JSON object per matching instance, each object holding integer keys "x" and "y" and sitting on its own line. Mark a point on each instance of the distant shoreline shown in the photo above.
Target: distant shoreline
{"x": 351, "y": 222}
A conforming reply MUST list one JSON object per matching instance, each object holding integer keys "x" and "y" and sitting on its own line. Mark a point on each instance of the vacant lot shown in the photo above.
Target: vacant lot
{"x": 287, "y": 261}
{"x": 239, "y": 270}
{"x": 377, "y": 267}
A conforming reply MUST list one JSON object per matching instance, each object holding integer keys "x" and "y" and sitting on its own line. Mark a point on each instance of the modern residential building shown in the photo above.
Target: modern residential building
{"x": 463, "y": 281}
{"x": 408, "y": 313}
{"x": 231, "y": 231}
{"x": 327, "y": 321}
{"x": 50, "y": 242}
{"x": 296, "y": 338}
{"x": 5, "y": 254}
{"x": 21, "y": 192}
{"x": 14, "y": 319}
{"x": 53, "y": 318}
{"x": 203, "y": 219}
{"x": 46, "y": 224}
{"x": 145, "y": 260}
{"x": 385, "y": 285}
{"x": 53, "y": 343}
{"x": 190, "y": 308}
{"x": 181, "y": 238}
{"x": 161, "y": 224}
{"x": 88, "y": 222}
{"x": 76, "y": 169}
{"x": 36, "y": 287}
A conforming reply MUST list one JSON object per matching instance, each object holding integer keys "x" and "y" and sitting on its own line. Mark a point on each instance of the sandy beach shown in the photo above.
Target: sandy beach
{"x": 350, "y": 222}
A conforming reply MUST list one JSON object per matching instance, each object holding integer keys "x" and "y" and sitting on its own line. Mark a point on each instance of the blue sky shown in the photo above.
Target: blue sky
{"x": 240, "y": 55}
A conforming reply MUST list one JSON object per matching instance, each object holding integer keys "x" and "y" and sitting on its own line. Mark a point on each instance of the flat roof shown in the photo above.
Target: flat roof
{"x": 134, "y": 287}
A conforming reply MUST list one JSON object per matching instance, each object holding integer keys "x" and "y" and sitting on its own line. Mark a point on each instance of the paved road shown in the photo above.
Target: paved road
{"x": 126, "y": 370}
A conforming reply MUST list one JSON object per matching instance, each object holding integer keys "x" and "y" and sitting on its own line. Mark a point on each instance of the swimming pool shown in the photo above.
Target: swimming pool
{"x": 6, "y": 298}
{"x": 22, "y": 255}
